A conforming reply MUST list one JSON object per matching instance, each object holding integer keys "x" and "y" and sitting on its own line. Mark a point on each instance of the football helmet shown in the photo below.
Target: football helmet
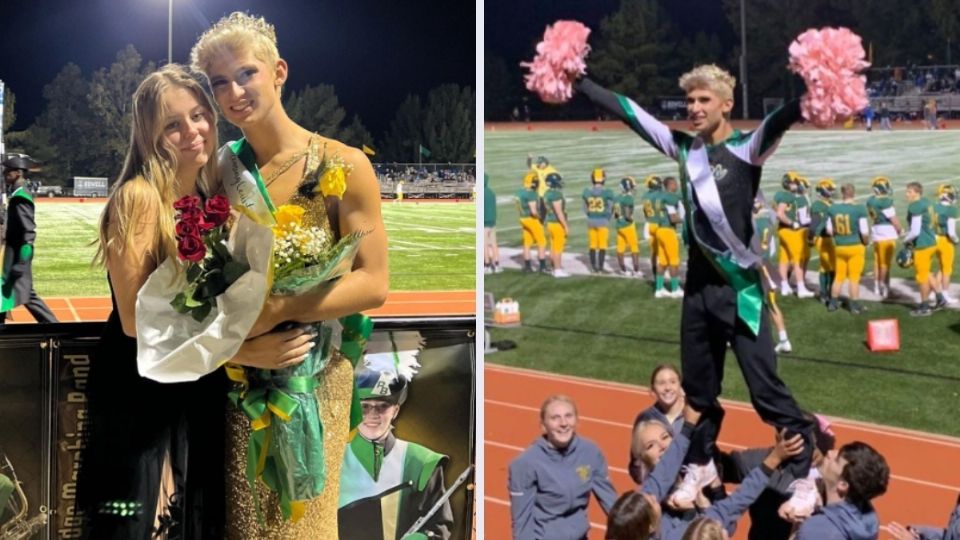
{"x": 881, "y": 185}
{"x": 826, "y": 187}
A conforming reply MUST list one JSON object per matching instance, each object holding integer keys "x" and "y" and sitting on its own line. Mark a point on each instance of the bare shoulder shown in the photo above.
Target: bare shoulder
{"x": 351, "y": 156}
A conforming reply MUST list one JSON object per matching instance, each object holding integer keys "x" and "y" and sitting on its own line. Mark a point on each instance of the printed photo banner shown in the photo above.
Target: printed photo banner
{"x": 44, "y": 394}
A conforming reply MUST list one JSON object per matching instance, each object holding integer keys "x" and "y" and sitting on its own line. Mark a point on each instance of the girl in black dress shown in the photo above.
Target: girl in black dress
{"x": 152, "y": 467}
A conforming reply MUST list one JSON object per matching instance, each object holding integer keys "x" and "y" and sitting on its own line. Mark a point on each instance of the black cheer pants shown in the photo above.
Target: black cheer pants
{"x": 709, "y": 322}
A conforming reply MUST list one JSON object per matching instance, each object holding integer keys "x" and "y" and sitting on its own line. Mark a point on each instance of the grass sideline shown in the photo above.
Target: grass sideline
{"x": 431, "y": 247}
{"x": 626, "y": 333}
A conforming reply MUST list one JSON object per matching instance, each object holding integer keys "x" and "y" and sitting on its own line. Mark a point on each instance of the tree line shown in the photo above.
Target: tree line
{"x": 640, "y": 50}
{"x": 84, "y": 126}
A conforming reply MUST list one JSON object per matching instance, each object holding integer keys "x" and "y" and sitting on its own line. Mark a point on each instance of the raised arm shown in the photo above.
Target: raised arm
{"x": 663, "y": 476}
{"x": 729, "y": 510}
{"x": 764, "y": 140}
{"x": 656, "y": 133}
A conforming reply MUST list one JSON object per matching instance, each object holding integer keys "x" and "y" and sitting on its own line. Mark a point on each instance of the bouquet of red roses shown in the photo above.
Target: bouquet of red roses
{"x": 202, "y": 242}
{"x": 220, "y": 278}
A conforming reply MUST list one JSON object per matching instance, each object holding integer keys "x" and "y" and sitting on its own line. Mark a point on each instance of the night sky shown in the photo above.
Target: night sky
{"x": 374, "y": 52}
{"x": 513, "y": 28}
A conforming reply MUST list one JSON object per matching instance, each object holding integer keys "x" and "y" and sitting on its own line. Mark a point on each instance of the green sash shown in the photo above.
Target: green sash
{"x": 242, "y": 182}
{"x": 745, "y": 281}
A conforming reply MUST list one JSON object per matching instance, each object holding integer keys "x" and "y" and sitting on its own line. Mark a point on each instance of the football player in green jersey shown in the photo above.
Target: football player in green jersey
{"x": 541, "y": 168}
{"x": 623, "y": 211}
{"x": 648, "y": 203}
{"x": 529, "y": 209}
{"x": 847, "y": 224}
{"x": 805, "y": 219}
{"x": 556, "y": 207}
{"x": 946, "y": 228}
{"x": 670, "y": 213}
{"x": 765, "y": 235}
{"x": 922, "y": 239}
{"x": 598, "y": 205}
{"x": 883, "y": 233}
{"x": 491, "y": 252}
{"x": 792, "y": 239}
{"x": 826, "y": 188}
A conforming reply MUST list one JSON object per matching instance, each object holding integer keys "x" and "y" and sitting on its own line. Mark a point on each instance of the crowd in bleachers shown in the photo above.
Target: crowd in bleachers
{"x": 899, "y": 81}
{"x": 426, "y": 180}
{"x": 391, "y": 173}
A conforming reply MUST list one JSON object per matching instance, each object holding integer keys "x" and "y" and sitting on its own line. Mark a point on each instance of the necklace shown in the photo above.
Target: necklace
{"x": 289, "y": 163}
{"x": 284, "y": 167}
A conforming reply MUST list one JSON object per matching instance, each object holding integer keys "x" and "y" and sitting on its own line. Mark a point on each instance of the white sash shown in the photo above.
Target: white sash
{"x": 241, "y": 181}
{"x": 704, "y": 183}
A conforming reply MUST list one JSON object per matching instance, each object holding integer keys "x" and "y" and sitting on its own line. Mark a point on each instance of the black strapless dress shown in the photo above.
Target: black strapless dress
{"x": 134, "y": 423}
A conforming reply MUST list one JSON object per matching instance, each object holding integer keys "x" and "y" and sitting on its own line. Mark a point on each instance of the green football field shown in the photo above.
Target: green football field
{"x": 852, "y": 156}
{"x": 431, "y": 247}
{"x": 613, "y": 329}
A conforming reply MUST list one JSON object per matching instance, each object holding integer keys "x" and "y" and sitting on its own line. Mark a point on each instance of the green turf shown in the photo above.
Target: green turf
{"x": 613, "y": 329}
{"x": 431, "y": 247}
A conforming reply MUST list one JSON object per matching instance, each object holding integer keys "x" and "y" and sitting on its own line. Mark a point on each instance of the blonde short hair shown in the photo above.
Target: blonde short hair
{"x": 711, "y": 77}
{"x": 704, "y": 528}
{"x": 236, "y": 33}
{"x": 554, "y": 399}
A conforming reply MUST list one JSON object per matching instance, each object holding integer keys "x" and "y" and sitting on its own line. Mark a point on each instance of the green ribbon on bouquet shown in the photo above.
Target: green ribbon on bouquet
{"x": 283, "y": 456}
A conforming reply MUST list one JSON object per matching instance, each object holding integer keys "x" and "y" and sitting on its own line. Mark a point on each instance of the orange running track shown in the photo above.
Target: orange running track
{"x": 925, "y": 476}
{"x": 398, "y": 304}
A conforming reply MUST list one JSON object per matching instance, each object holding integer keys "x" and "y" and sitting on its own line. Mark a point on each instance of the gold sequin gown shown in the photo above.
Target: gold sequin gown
{"x": 319, "y": 522}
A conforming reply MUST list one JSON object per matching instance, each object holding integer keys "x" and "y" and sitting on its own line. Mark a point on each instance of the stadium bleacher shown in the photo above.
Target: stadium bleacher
{"x": 427, "y": 180}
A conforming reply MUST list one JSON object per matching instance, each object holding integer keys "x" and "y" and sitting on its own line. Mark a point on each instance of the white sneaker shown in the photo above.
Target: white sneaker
{"x": 638, "y": 274}
{"x": 560, "y": 273}
{"x": 677, "y": 293}
{"x": 662, "y": 293}
{"x": 804, "y": 499}
{"x": 487, "y": 270}
{"x": 802, "y": 292}
{"x": 785, "y": 290}
{"x": 948, "y": 298}
{"x": 695, "y": 479}
{"x": 784, "y": 347}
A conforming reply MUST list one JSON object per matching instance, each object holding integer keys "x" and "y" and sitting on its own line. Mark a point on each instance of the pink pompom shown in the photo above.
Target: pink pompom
{"x": 830, "y": 61}
{"x": 825, "y": 426}
{"x": 559, "y": 61}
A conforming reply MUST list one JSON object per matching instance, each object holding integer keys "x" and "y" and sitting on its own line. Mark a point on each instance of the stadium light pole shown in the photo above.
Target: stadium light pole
{"x": 169, "y": 31}
{"x": 2, "y": 88}
{"x": 743, "y": 59}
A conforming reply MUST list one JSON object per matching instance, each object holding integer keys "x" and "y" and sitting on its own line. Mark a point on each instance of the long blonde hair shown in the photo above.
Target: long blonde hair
{"x": 147, "y": 183}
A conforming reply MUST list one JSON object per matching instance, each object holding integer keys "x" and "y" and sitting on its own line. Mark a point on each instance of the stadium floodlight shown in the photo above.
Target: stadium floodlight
{"x": 169, "y": 31}
{"x": 745, "y": 107}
